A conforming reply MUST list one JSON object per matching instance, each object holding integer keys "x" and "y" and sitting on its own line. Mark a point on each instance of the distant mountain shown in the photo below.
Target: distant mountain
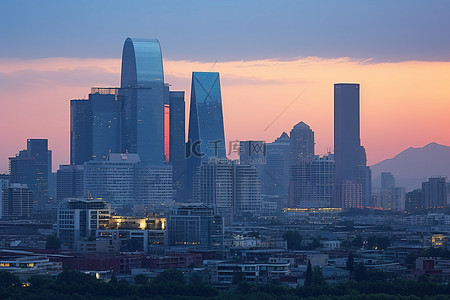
{"x": 413, "y": 166}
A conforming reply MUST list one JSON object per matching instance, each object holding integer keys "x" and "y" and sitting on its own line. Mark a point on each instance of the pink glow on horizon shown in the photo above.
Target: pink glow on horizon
{"x": 403, "y": 104}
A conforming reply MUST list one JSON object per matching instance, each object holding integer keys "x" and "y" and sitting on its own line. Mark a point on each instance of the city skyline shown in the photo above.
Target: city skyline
{"x": 395, "y": 84}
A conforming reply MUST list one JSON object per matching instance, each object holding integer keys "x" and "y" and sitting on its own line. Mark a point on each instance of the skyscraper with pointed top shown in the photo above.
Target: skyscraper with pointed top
{"x": 206, "y": 136}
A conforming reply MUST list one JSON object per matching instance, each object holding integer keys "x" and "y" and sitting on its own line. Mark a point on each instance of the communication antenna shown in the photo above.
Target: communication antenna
{"x": 212, "y": 67}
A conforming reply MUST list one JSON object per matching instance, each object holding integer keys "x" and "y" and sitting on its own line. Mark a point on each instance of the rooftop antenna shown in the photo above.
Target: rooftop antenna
{"x": 212, "y": 67}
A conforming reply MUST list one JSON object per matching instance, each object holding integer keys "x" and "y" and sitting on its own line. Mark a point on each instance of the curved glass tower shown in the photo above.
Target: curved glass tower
{"x": 142, "y": 85}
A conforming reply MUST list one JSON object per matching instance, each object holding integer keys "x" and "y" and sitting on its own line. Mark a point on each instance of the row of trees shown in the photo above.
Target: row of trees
{"x": 171, "y": 284}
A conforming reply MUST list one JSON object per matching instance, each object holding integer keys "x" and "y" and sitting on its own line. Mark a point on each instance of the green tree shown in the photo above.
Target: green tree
{"x": 52, "y": 242}
{"x": 360, "y": 272}
{"x": 141, "y": 279}
{"x": 317, "y": 277}
{"x": 293, "y": 239}
{"x": 357, "y": 242}
{"x": 308, "y": 274}
{"x": 172, "y": 276}
{"x": 7, "y": 279}
{"x": 350, "y": 263}
{"x": 238, "y": 277}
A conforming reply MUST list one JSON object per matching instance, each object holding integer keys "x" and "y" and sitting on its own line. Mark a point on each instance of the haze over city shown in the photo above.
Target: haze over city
{"x": 278, "y": 64}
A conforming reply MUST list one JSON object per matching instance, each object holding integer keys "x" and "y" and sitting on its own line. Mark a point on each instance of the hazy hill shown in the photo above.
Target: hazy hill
{"x": 414, "y": 165}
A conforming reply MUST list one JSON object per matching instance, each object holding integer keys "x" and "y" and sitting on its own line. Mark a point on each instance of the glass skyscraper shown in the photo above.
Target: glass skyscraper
{"x": 347, "y": 151}
{"x": 142, "y": 84}
{"x": 206, "y": 137}
{"x": 350, "y": 157}
{"x": 80, "y": 131}
{"x": 106, "y": 122}
{"x": 177, "y": 141}
{"x": 31, "y": 167}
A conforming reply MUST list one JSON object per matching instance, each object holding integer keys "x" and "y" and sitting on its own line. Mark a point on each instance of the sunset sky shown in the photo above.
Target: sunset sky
{"x": 278, "y": 62}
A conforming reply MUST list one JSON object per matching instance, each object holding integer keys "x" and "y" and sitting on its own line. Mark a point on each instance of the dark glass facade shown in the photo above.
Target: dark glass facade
{"x": 347, "y": 151}
{"x": 350, "y": 156}
{"x": 177, "y": 141}
{"x": 106, "y": 122}
{"x": 206, "y": 137}
{"x": 31, "y": 167}
{"x": 80, "y": 132}
{"x": 142, "y": 85}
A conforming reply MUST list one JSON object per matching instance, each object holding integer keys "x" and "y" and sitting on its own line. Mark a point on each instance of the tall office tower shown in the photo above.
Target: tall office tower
{"x": 80, "y": 132}
{"x": 142, "y": 85}
{"x": 252, "y": 153}
{"x": 247, "y": 190}
{"x": 196, "y": 225}
{"x": 18, "y": 201}
{"x": 323, "y": 173}
{"x": 80, "y": 218}
{"x": 414, "y": 201}
{"x": 435, "y": 192}
{"x": 398, "y": 198}
{"x": 106, "y": 121}
{"x": 387, "y": 180}
{"x": 302, "y": 144}
{"x": 112, "y": 179}
{"x": 276, "y": 173}
{"x": 301, "y": 187}
{"x": 153, "y": 187}
{"x": 69, "y": 182}
{"x": 206, "y": 137}
{"x": 31, "y": 167}
{"x": 4, "y": 184}
{"x": 213, "y": 186}
{"x": 177, "y": 141}
{"x": 231, "y": 188}
{"x": 350, "y": 157}
{"x": 347, "y": 194}
{"x": 364, "y": 177}
{"x": 128, "y": 184}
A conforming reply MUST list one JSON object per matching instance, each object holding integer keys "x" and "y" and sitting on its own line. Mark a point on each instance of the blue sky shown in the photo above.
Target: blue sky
{"x": 383, "y": 30}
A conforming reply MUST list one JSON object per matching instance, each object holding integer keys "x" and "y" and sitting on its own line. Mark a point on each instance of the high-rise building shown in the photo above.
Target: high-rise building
{"x": 347, "y": 194}
{"x": 69, "y": 182}
{"x": 106, "y": 121}
{"x": 414, "y": 201}
{"x": 126, "y": 182}
{"x": 79, "y": 218}
{"x": 301, "y": 186}
{"x": 350, "y": 156}
{"x": 80, "y": 132}
{"x": 247, "y": 190}
{"x": 435, "y": 192}
{"x": 275, "y": 181}
{"x": 387, "y": 180}
{"x": 177, "y": 141}
{"x": 31, "y": 167}
{"x": 323, "y": 177}
{"x": 206, "y": 137}
{"x": 195, "y": 225}
{"x": 16, "y": 200}
{"x": 4, "y": 184}
{"x": 142, "y": 86}
{"x": 232, "y": 189}
{"x": 398, "y": 198}
{"x": 213, "y": 185}
{"x": 347, "y": 144}
{"x": 302, "y": 144}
